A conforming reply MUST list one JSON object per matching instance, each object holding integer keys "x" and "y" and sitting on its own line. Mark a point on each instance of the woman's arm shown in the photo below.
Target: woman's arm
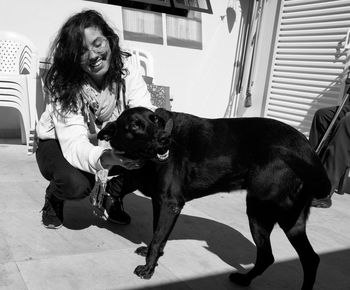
{"x": 110, "y": 157}
{"x": 72, "y": 134}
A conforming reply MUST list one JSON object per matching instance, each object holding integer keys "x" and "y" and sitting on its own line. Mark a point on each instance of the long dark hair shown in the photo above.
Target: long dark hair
{"x": 65, "y": 76}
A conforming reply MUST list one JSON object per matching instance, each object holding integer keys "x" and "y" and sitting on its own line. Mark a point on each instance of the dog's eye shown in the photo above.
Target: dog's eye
{"x": 154, "y": 119}
{"x": 135, "y": 125}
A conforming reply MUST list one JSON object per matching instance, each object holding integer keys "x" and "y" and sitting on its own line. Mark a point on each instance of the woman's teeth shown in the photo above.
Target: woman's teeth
{"x": 96, "y": 63}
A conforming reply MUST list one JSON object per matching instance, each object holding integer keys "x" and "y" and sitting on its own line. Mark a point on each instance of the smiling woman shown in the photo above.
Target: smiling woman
{"x": 90, "y": 82}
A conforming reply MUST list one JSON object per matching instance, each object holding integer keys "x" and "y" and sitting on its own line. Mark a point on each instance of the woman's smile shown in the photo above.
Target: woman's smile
{"x": 97, "y": 64}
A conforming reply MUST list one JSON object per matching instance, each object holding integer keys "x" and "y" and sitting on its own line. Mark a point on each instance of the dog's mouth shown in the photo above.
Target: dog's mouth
{"x": 164, "y": 156}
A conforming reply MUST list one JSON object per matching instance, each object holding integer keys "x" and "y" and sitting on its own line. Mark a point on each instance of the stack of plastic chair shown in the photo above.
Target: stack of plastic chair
{"x": 18, "y": 79}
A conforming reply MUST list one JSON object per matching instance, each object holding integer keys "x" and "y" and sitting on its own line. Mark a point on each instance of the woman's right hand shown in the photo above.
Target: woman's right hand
{"x": 110, "y": 158}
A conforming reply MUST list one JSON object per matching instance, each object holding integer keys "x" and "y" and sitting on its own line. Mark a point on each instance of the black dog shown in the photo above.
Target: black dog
{"x": 189, "y": 157}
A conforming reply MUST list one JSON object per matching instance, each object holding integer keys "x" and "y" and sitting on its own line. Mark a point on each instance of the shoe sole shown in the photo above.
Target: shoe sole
{"x": 102, "y": 213}
{"x": 322, "y": 205}
{"x": 53, "y": 227}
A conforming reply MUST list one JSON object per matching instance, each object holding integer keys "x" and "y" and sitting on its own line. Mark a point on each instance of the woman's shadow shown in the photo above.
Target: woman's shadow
{"x": 225, "y": 242}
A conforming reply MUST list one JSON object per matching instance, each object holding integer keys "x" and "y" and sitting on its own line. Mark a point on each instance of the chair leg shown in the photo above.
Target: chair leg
{"x": 23, "y": 131}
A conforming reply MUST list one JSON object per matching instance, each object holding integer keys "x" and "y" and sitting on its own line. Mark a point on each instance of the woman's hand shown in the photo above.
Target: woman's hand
{"x": 110, "y": 157}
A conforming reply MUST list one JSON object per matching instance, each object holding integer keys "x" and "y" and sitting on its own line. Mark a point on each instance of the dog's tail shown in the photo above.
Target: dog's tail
{"x": 307, "y": 165}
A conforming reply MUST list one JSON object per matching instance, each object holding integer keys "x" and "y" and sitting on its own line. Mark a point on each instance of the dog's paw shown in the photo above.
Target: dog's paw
{"x": 240, "y": 279}
{"x": 142, "y": 251}
{"x": 144, "y": 271}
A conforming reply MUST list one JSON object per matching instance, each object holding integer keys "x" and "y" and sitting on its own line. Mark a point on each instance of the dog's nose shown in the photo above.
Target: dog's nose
{"x": 163, "y": 140}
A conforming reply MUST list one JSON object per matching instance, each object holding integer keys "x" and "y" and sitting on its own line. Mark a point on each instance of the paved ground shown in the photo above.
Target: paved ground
{"x": 211, "y": 239}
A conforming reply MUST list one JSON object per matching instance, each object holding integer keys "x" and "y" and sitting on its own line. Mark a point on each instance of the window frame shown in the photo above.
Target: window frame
{"x": 190, "y": 7}
{"x": 166, "y": 3}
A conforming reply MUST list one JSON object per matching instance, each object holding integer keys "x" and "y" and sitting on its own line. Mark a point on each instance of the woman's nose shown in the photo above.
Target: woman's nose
{"x": 93, "y": 55}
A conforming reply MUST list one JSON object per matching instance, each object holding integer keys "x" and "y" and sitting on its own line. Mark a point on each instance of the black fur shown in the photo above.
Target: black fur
{"x": 271, "y": 160}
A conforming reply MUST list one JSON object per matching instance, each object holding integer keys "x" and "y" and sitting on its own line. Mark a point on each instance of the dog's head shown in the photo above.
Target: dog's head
{"x": 140, "y": 133}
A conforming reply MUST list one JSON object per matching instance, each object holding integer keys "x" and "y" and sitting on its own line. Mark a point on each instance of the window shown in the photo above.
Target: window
{"x": 145, "y": 26}
{"x": 185, "y": 31}
{"x": 156, "y": 2}
{"x": 197, "y": 5}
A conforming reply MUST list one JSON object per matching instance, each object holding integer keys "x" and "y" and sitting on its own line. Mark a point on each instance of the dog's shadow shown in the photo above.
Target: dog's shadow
{"x": 224, "y": 241}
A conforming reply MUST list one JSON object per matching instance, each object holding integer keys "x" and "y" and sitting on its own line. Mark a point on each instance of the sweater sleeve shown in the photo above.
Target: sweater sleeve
{"x": 72, "y": 134}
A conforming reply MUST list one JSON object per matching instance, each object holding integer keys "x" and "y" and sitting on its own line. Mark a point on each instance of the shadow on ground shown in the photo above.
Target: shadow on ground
{"x": 225, "y": 242}
{"x": 332, "y": 275}
{"x": 228, "y": 244}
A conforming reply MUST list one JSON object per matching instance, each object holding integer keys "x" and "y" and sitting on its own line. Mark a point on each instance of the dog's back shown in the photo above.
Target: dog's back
{"x": 214, "y": 148}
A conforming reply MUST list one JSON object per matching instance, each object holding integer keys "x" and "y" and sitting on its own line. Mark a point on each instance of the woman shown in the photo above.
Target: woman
{"x": 90, "y": 82}
{"x": 336, "y": 152}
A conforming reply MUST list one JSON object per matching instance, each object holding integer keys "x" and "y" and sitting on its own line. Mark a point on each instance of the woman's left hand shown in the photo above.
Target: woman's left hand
{"x": 112, "y": 157}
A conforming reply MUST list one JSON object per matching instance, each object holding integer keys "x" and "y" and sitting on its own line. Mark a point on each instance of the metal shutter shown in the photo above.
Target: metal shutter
{"x": 309, "y": 58}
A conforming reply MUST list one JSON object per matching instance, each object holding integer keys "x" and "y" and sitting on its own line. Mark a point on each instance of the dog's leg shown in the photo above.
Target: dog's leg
{"x": 143, "y": 250}
{"x": 169, "y": 212}
{"x": 308, "y": 258}
{"x": 261, "y": 227}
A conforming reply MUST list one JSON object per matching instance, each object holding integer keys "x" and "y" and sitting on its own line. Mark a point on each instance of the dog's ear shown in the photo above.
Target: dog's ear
{"x": 108, "y": 131}
{"x": 163, "y": 114}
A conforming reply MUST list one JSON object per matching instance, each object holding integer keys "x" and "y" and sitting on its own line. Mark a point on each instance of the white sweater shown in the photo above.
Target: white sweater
{"x": 71, "y": 129}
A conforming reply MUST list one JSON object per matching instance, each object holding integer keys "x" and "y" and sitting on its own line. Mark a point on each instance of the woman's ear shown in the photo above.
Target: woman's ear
{"x": 108, "y": 131}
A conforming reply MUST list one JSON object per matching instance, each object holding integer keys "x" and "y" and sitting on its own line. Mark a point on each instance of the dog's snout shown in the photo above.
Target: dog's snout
{"x": 163, "y": 139}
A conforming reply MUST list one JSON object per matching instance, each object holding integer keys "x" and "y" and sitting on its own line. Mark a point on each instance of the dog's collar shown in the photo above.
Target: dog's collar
{"x": 168, "y": 128}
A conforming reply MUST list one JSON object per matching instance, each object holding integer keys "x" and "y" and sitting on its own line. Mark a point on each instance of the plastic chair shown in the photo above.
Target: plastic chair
{"x": 18, "y": 77}
{"x": 145, "y": 62}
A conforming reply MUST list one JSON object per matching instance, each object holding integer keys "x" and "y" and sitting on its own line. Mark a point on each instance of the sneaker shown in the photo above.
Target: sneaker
{"x": 322, "y": 203}
{"x": 52, "y": 213}
{"x": 114, "y": 211}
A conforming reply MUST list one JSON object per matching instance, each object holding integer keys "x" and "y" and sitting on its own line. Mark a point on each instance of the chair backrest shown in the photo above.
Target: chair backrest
{"x": 18, "y": 54}
{"x": 145, "y": 62}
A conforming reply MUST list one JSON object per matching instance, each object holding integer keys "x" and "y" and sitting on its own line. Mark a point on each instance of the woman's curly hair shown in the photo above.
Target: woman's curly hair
{"x": 65, "y": 76}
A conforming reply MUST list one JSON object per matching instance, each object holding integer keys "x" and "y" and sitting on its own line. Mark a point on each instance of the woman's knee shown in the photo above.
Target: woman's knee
{"x": 344, "y": 123}
{"x": 73, "y": 185}
{"x": 323, "y": 113}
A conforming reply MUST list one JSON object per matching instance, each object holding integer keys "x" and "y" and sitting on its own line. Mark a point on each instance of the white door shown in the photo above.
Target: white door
{"x": 308, "y": 68}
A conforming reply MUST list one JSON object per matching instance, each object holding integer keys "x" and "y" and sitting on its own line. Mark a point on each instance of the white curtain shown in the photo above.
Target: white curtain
{"x": 143, "y": 22}
{"x": 185, "y": 28}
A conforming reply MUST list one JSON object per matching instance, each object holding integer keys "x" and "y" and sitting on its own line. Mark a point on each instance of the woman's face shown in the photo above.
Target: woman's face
{"x": 96, "y": 55}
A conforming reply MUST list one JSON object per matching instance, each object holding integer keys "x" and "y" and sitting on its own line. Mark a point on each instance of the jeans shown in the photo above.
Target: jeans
{"x": 66, "y": 181}
{"x": 70, "y": 183}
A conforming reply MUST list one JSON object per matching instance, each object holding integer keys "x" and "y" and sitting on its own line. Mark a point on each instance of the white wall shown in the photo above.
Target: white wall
{"x": 264, "y": 54}
{"x": 199, "y": 80}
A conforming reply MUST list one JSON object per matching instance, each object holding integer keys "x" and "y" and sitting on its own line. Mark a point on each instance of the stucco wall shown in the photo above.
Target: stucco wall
{"x": 199, "y": 80}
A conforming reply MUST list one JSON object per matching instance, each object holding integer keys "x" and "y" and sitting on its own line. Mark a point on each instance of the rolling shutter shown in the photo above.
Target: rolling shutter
{"x": 309, "y": 60}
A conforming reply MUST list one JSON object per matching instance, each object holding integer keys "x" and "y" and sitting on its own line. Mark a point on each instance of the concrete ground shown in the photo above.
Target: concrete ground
{"x": 210, "y": 240}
